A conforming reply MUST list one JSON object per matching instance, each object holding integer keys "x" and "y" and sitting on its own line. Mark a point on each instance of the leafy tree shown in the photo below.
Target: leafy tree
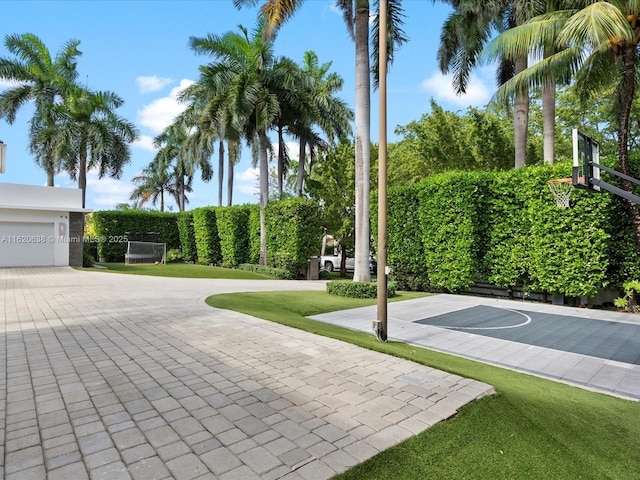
{"x": 243, "y": 78}
{"x": 356, "y": 16}
{"x": 154, "y": 182}
{"x": 93, "y": 135}
{"x": 332, "y": 185}
{"x": 43, "y": 80}
{"x": 598, "y": 50}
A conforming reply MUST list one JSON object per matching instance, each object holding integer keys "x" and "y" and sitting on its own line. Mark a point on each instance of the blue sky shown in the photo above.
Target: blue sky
{"x": 139, "y": 50}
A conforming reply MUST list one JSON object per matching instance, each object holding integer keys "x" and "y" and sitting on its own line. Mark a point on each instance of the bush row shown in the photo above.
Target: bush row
{"x": 504, "y": 228}
{"x": 227, "y": 236}
{"x": 347, "y": 288}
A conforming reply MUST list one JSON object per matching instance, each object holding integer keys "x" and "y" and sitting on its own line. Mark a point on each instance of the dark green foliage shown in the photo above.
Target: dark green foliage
{"x": 233, "y": 230}
{"x": 174, "y": 256}
{"x": 87, "y": 260}
{"x": 450, "y": 213}
{"x": 347, "y": 288}
{"x": 254, "y": 233}
{"x": 111, "y": 227}
{"x": 206, "y": 235}
{"x": 187, "y": 237}
{"x": 458, "y": 228}
{"x": 272, "y": 272}
{"x": 293, "y": 233}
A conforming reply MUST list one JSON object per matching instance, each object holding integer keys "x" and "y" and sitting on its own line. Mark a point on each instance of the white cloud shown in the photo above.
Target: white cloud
{"x": 160, "y": 113}
{"x": 152, "y": 84}
{"x": 440, "y": 88}
{"x": 246, "y": 182}
{"x": 107, "y": 192}
{"x": 145, "y": 142}
{"x": 4, "y": 83}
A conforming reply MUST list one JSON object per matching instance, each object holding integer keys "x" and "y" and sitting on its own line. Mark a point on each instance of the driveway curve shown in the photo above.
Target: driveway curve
{"x": 121, "y": 376}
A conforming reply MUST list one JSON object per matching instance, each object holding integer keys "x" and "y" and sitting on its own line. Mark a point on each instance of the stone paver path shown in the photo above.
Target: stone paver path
{"x": 116, "y": 377}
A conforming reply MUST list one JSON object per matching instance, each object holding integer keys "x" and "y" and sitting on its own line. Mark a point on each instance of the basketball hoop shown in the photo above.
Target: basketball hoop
{"x": 561, "y": 189}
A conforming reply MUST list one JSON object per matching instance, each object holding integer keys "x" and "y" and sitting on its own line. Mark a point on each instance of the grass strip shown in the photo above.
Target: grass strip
{"x": 178, "y": 270}
{"x": 532, "y": 428}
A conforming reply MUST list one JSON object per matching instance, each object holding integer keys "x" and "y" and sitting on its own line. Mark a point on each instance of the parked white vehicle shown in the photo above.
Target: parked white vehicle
{"x": 331, "y": 263}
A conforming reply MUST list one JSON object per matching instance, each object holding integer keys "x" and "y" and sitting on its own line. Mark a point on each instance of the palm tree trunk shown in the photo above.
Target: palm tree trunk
{"x": 231, "y": 156}
{"x": 301, "y": 165}
{"x": 627, "y": 92}
{"x": 363, "y": 142}
{"x": 520, "y": 120}
{"x": 281, "y": 148}
{"x": 50, "y": 178}
{"x": 220, "y": 171}
{"x": 82, "y": 172}
{"x": 549, "y": 120}
{"x": 264, "y": 194}
{"x": 162, "y": 200}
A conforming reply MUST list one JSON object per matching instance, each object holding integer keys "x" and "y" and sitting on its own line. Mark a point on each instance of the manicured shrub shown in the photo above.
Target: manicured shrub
{"x": 206, "y": 235}
{"x": 187, "y": 236}
{"x": 347, "y": 288}
{"x": 233, "y": 231}
{"x": 278, "y": 273}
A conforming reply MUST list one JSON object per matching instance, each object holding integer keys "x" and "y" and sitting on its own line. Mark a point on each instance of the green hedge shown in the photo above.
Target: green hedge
{"x": 347, "y": 288}
{"x": 206, "y": 236}
{"x": 293, "y": 233}
{"x": 254, "y": 233}
{"x": 187, "y": 237}
{"x": 111, "y": 227}
{"x": 233, "y": 231}
{"x": 272, "y": 272}
{"x": 456, "y": 229}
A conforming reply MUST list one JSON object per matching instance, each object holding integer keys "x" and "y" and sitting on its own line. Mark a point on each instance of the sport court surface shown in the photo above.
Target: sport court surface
{"x": 590, "y": 348}
{"x": 123, "y": 376}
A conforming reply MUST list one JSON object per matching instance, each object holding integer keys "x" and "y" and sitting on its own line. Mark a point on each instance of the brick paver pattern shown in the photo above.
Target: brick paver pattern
{"x": 123, "y": 377}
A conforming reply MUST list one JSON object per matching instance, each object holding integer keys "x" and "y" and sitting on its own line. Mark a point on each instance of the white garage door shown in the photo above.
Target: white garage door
{"x": 26, "y": 244}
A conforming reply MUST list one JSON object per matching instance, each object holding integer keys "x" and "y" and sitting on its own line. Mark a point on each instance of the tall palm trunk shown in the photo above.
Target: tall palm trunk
{"x": 162, "y": 200}
{"x": 549, "y": 120}
{"x": 82, "y": 171}
{"x": 521, "y": 119}
{"x": 231, "y": 164}
{"x": 281, "y": 147}
{"x": 264, "y": 194}
{"x": 50, "y": 178}
{"x": 301, "y": 165}
{"x": 220, "y": 171}
{"x": 363, "y": 142}
{"x": 626, "y": 93}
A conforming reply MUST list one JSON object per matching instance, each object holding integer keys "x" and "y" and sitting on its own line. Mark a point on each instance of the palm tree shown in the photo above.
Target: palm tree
{"x": 465, "y": 33}
{"x": 43, "y": 80}
{"x": 597, "y": 48}
{"x": 327, "y": 111}
{"x": 91, "y": 135}
{"x": 181, "y": 147}
{"x": 152, "y": 183}
{"x": 244, "y": 83}
{"x": 356, "y": 16}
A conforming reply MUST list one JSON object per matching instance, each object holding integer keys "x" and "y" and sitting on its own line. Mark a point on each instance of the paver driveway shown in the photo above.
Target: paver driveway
{"x": 116, "y": 376}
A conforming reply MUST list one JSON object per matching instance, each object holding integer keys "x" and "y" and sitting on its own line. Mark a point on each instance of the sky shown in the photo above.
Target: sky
{"x": 139, "y": 50}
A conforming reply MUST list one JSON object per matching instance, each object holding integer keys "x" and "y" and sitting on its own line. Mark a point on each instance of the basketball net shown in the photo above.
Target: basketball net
{"x": 561, "y": 189}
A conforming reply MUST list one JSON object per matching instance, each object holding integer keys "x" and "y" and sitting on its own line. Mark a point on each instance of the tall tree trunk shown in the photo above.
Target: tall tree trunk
{"x": 626, "y": 93}
{"x": 220, "y": 171}
{"x": 363, "y": 143}
{"x": 281, "y": 153}
{"x": 549, "y": 120}
{"x": 82, "y": 172}
{"x": 162, "y": 200}
{"x": 521, "y": 119}
{"x": 264, "y": 194}
{"x": 50, "y": 178}
{"x": 301, "y": 165}
{"x": 231, "y": 164}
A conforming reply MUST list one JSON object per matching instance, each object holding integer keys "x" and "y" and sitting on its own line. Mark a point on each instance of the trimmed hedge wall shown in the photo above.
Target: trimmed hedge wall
{"x": 459, "y": 228}
{"x": 205, "y": 229}
{"x": 111, "y": 225}
{"x": 187, "y": 237}
{"x": 293, "y": 233}
{"x": 233, "y": 231}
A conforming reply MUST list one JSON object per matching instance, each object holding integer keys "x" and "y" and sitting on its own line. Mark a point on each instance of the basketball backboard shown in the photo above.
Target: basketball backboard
{"x": 586, "y": 157}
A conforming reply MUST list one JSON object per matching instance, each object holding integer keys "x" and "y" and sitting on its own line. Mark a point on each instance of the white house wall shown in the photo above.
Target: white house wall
{"x": 34, "y": 238}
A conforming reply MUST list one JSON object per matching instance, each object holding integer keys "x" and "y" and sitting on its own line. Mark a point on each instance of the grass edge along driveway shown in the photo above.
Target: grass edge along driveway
{"x": 533, "y": 428}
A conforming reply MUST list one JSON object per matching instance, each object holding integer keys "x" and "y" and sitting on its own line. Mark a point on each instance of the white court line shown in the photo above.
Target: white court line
{"x": 526, "y": 322}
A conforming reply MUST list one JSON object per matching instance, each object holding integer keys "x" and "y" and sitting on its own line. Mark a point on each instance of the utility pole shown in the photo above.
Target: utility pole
{"x": 380, "y": 325}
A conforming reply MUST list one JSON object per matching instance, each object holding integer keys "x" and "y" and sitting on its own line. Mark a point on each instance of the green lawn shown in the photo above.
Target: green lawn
{"x": 179, "y": 270}
{"x": 531, "y": 429}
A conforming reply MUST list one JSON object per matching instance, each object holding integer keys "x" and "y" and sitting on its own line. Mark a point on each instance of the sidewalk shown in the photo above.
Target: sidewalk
{"x": 119, "y": 376}
{"x": 409, "y": 322}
